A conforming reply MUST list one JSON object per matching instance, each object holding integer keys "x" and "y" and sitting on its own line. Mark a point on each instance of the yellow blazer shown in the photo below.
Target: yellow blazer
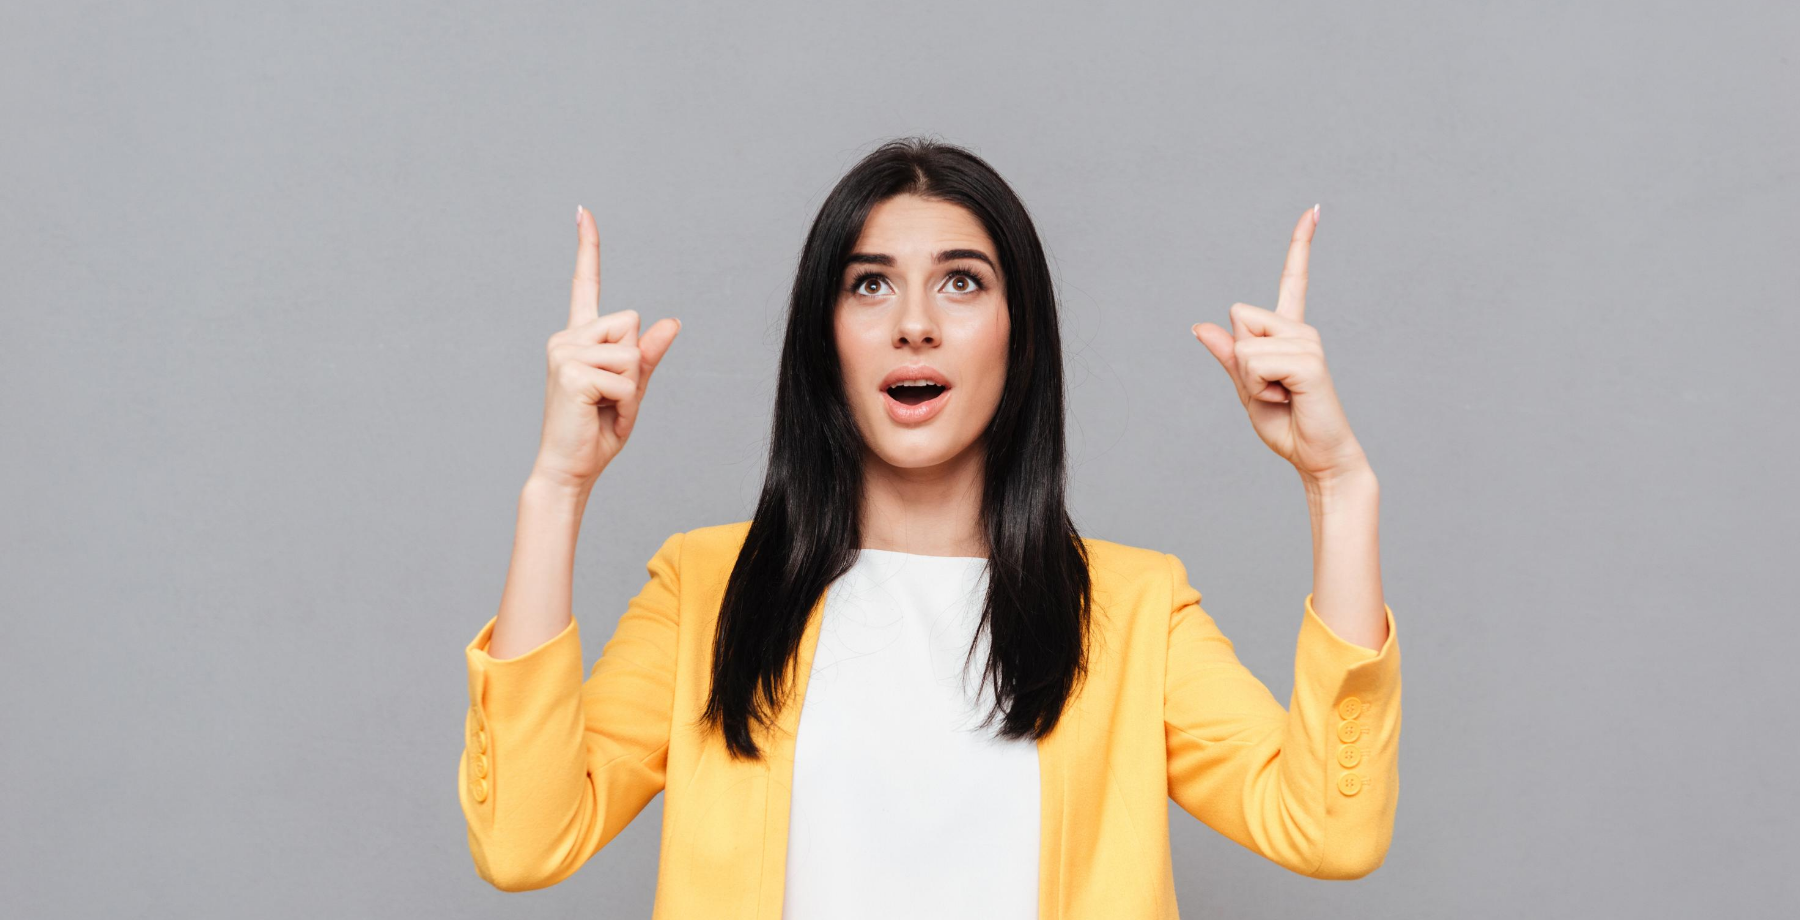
{"x": 554, "y": 766}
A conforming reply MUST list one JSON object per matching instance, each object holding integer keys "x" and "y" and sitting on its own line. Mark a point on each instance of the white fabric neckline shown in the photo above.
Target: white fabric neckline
{"x": 895, "y": 552}
{"x": 902, "y": 805}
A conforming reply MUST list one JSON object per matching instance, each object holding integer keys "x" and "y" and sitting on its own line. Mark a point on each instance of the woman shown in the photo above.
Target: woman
{"x": 789, "y": 680}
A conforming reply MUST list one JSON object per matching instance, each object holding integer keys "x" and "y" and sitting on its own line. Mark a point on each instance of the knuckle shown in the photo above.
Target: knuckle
{"x": 569, "y": 375}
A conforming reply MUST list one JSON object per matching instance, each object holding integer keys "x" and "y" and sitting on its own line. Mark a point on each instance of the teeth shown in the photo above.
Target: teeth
{"x": 916, "y": 383}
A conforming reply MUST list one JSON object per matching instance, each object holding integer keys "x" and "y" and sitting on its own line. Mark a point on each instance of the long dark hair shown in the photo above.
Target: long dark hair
{"x": 808, "y": 524}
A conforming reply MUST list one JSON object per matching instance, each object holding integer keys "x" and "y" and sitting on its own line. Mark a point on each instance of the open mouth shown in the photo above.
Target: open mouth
{"x": 912, "y": 394}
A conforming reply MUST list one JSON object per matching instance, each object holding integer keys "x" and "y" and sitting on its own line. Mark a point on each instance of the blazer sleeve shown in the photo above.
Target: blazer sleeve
{"x": 554, "y": 767}
{"x": 1312, "y": 787}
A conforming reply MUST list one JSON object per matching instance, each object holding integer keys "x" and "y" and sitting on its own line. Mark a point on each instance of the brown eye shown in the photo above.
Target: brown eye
{"x": 857, "y": 286}
{"x": 969, "y": 278}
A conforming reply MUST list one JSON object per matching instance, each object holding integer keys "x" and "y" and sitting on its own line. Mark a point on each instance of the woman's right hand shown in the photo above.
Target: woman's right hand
{"x": 599, "y": 367}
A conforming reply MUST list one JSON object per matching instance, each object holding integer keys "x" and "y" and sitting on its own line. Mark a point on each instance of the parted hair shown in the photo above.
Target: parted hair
{"x": 807, "y": 527}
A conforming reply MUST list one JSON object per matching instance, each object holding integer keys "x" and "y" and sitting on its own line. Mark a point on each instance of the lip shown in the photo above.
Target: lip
{"x": 914, "y": 372}
{"x": 922, "y": 412}
{"x": 914, "y": 415}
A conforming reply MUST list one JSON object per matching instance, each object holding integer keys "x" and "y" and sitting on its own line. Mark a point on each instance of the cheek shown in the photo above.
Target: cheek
{"x": 850, "y": 346}
{"x": 993, "y": 340}
{"x": 860, "y": 354}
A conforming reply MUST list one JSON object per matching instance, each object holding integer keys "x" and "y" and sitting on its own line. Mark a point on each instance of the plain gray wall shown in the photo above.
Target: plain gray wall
{"x": 278, "y": 281}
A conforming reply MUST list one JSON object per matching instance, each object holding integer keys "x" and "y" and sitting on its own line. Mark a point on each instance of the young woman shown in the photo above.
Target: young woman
{"x": 907, "y": 687}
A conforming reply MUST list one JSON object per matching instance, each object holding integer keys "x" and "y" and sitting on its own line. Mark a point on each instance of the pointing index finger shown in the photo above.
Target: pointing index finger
{"x": 584, "y": 293}
{"x": 1291, "y": 302}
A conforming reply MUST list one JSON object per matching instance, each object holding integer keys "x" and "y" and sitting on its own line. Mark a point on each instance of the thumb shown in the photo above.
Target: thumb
{"x": 1222, "y": 346}
{"x": 652, "y": 346}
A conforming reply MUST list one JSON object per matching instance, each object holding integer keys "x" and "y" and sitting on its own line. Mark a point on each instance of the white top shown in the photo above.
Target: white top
{"x": 902, "y": 807}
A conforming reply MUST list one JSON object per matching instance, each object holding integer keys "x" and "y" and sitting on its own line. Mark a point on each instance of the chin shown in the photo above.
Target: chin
{"x": 907, "y": 459}
{"x": 918, "y": 449}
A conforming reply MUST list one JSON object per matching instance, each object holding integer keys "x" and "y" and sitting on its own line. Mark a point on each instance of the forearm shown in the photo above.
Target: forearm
{"x": 535, "y": 605}
{"x": 1347, "y": 592}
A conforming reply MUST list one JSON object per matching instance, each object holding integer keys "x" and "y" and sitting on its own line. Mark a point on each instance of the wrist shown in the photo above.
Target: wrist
{"x": 555, "y": 488}
{"x": 1355, "y": 482}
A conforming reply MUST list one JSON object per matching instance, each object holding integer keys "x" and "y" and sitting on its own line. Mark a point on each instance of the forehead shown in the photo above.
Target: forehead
{"x": 907, "y": 226}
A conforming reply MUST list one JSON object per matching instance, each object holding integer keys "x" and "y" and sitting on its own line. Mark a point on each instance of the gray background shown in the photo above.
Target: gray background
{"x": 277, "y": 283}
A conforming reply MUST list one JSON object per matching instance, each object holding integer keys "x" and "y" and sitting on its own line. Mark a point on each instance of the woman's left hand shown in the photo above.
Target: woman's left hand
{"x": 1278, "y": 366}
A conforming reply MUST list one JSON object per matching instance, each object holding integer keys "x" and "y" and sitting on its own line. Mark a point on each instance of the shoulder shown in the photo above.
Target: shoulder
{"x": 704, "y": 549}
{"x": 715, "y": 538}
{"x": 700, "y": 547}
{"x": 1111, "y": 559}
{"x": 1132, "y": 587}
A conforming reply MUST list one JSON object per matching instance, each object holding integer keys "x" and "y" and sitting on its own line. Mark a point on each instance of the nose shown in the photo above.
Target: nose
{"x": 917, "y": 323}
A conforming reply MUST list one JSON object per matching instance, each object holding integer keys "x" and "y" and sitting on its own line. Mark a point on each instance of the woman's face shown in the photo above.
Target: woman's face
{"x": 922, "y": 298}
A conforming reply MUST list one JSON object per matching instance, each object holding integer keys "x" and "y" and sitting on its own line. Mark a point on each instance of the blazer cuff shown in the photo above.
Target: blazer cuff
{"x": 1329, "y": 668}
{"x": 1347, "y": 706}
{"x": 1340, "y": 649}
{"x": 504, "y": 689}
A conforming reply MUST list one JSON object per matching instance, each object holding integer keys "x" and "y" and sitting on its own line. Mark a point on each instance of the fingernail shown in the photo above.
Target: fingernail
{"x": 578, "y": 215}
{"x": 1195, "y": 329}
{"x": 1315, "y": 215}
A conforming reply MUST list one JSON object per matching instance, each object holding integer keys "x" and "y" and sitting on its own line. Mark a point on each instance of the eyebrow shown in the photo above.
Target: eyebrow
{"x": 882, "y": 258}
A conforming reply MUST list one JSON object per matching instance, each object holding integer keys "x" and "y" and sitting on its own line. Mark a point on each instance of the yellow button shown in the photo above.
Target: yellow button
{"x": 1350, "y": 784}
{"x": 478, "y": 789}
{"x": 1350, "y": 708}
{"x": 477, "y": 730}
{"x": 481, "y": 767}
{"x": 1349, "y": 731}
{"x": 1349, "y": 755}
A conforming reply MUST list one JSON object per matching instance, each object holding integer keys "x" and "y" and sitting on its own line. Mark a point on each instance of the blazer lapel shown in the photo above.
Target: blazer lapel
{"x": 779, "y": 761}
{"x": 1053, "y": 778}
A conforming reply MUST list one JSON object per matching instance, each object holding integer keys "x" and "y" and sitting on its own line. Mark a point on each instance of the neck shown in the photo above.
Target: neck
{"x": 932, "y": 511}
